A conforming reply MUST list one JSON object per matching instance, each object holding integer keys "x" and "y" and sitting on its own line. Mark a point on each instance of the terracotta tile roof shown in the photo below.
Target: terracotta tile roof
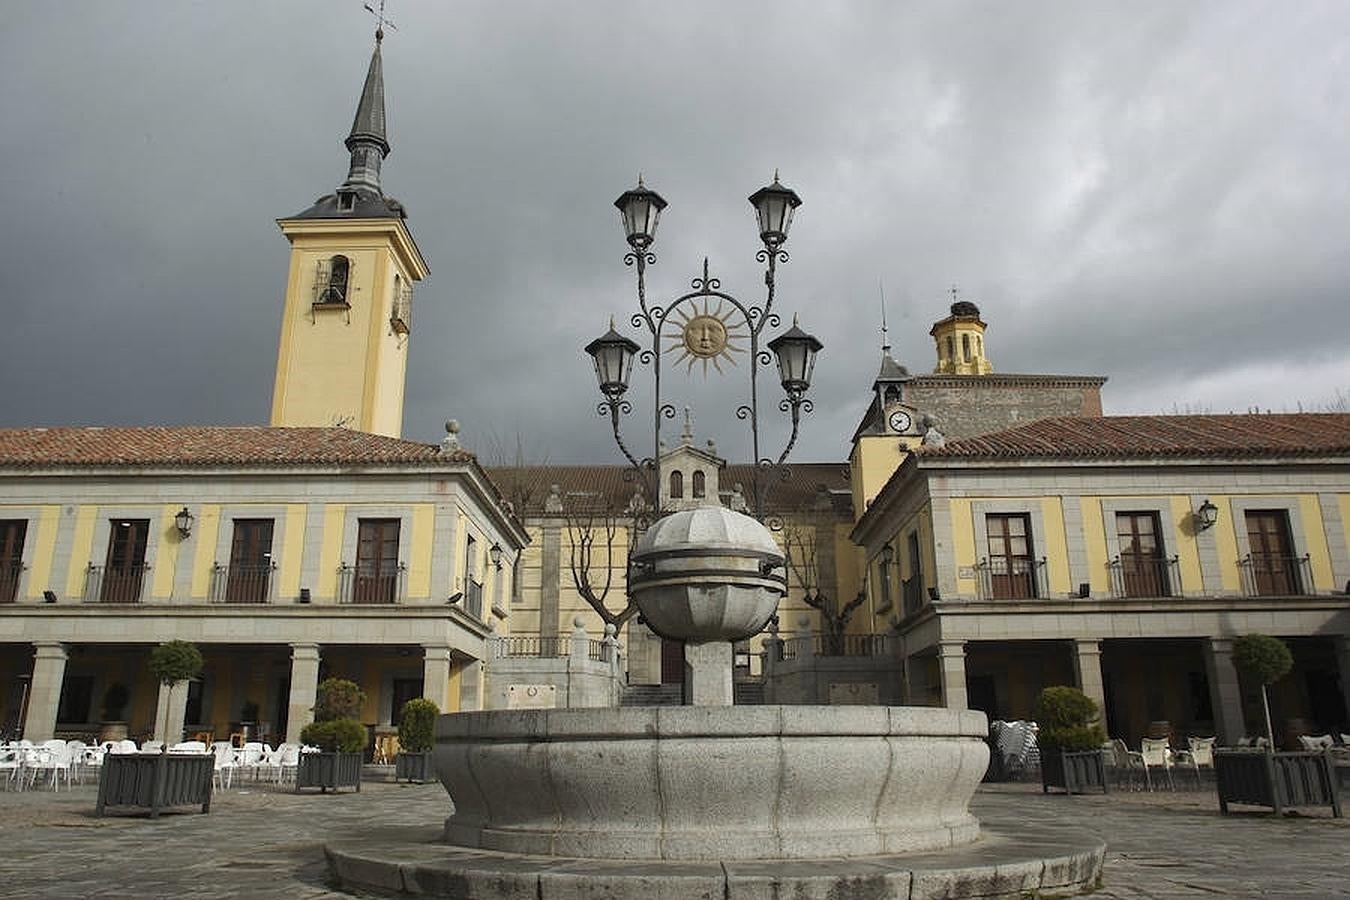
{"x": 1251, "y": 435}
{"x": 529, "y": 486}
{"x": 189, "y": 446}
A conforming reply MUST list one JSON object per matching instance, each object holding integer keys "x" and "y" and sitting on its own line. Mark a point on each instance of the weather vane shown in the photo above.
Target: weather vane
{"x": 953, "y": 292}
{"x": 380, "y": 19}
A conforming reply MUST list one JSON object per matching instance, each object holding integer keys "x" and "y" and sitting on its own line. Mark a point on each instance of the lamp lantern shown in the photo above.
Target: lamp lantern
{"x": 613, "y": 355}
{"x": 640, "y": 209}
{"x": 774, "y": 206}
{"x": 495, "y": 555}
{"x": 183, "y": 522}
{"x": 796, "y": 352}
{"x": 1206, "y": 515}
{"x": 887, "y": 554}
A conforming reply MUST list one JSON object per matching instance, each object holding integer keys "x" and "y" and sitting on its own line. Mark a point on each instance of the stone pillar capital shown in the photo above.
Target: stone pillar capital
{"x": 951, "y": 649}
{"x": 304, "y": 651}
{"x": 440, "y": 652}
{"x": 50, "y": 650}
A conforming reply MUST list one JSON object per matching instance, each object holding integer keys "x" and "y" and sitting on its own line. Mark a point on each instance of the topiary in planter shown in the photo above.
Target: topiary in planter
{"x": 1068, "y": 720}
{"x": 338, "y": 698}
{"x": 335, "y": 735}
{"x": 175, "y": 661}
{"x": 415, "y": 726}
{"x": 1266, "y": 660}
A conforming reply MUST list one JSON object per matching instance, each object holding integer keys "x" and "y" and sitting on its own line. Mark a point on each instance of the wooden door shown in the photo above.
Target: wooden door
{"x": 12, "y": 533}
{"x": 1011, "y": 572}
{"x": 672, "y": 662}
{"x": 1274, "y": 569}
{"x": 376, "y": 561}
{"x": 125, "y": 566}
{"x": 1141, "y": 562}
{"x": 250, "y": 572}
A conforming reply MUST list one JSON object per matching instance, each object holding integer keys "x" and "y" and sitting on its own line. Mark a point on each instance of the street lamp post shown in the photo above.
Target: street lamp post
{"x": 704, "y": 334}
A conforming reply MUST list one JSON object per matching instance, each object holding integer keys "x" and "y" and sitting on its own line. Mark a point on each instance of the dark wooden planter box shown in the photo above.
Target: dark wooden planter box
{"x": 414, "y": 767}
{"x": 329, "y": 770}
{"x": 155, "y": 780}
{"x": 1076, "y": 773}
{"x": 1277, "y": 780}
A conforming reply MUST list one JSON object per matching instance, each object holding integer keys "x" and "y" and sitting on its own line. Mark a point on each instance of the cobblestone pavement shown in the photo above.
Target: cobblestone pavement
{"x": 261, "y": 841}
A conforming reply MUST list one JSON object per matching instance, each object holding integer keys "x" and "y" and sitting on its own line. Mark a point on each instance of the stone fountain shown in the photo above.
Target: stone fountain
{"x": 711, "y": 800}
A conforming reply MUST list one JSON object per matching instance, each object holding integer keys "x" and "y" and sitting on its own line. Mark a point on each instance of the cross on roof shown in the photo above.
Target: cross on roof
{"x": 380, "y": 20}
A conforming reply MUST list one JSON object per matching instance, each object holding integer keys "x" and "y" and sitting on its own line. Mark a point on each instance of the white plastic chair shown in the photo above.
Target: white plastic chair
{"x": 226, "y": 763}
{"x": 1200, "y": 755}
{"x": 123, "y": 746}
{"x": 152, "y": 746}
{"x": 1316, "y": 742}
{"x": 250, "y": 757}
{"x": 53, "y": 759}
{"x": 77, "y": 751}
{"x": 1126, "y": 762}
{"x": 188, "y": 747}
{"x": 11, "y": 765}
{"x": 1156, "y": 754}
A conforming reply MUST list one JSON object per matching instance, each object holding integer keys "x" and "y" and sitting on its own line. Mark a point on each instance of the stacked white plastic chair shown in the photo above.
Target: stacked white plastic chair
{"x": 225, "y": 763}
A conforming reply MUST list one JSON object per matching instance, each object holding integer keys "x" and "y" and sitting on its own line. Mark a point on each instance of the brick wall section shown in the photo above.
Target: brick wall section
{"x": 965, "y": 406}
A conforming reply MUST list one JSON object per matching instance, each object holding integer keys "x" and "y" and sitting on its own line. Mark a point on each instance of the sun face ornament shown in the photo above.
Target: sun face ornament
{"x": 708, "y": 335}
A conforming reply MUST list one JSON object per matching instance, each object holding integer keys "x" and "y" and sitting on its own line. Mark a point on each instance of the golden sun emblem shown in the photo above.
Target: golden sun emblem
{"x": 707, "y": 335}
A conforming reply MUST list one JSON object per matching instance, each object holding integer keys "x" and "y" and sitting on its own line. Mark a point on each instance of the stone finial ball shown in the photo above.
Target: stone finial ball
{"x": 707, "y": 574}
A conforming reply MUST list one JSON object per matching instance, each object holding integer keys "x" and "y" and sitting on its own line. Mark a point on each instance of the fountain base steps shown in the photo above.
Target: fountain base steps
{"x": 1036, "y": 859}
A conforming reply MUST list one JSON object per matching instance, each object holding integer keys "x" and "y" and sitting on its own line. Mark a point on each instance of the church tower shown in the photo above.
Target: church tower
{"x": 960, "y": 341}
{"x": 348, "y": 312}
{"x": 891, "y": 428}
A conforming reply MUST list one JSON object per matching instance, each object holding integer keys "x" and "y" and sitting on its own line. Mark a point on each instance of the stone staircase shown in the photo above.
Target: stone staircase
{"x": 747, "y": 693}
{"x": 652, "y": 695}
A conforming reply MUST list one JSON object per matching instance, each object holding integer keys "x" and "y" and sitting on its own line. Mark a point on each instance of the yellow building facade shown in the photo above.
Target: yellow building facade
{"x": 286, "y": 554}
{"x": 1124, "y": 555}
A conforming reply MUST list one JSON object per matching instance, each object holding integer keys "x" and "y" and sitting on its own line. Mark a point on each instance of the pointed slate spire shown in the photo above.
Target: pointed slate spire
{"x": 367, "y": 141}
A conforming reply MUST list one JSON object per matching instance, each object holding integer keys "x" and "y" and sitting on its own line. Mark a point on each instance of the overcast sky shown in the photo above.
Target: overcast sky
{"x": 1154, "y": 192}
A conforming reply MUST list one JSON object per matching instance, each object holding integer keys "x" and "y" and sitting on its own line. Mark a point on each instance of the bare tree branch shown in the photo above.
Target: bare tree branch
{"x": 594, "y": 526}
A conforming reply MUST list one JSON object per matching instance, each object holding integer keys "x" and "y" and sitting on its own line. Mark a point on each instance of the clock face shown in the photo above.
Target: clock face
{"x": 899, "y": 420}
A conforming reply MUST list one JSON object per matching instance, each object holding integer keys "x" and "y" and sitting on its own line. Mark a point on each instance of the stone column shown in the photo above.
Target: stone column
{"x": 470, "y": 686}
{"x": 304, "y": 689}
{"x": 550, "y": 574}
{"x": 1225, "y": 696}
{"x": 707, "y": 674}
{"x": 436, "y": 667}
{"x": 1087, "y": 664}
{"x": 44, "y": 693}
{"x": 170, "y": 710}
{"x": 952, "y": 668}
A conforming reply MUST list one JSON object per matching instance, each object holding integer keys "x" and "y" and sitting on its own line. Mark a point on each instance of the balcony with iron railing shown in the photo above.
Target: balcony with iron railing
{"x": 371, "y": 585}
{"x": 1144, "y": 576}
{"x": 114, "y": 584}
{"x": 1002, "y": 578}
{"x": 242, "y": 583}
{"x": 10, "y": 573}
{"x": 1276, "y": 576}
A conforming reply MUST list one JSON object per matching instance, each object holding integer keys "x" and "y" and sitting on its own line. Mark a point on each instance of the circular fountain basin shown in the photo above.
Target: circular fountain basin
{"x": 712, "y": 783}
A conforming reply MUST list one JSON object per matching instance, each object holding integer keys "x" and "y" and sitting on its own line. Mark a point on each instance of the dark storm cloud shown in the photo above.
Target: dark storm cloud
{"x": 1152, "y": 192}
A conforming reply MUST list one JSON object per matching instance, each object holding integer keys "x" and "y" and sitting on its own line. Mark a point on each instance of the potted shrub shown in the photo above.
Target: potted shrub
{"x": 1070, "y": 740}
{"x": 1264, "y": 777}
{"x": 338, "y": 734}
{"x": 113, "y": 726}
{"x": 160, "y": 780}
{"x": 173, "y": 663}
{"x": 1265, "y": 660}
{"x": 415, "y": 725}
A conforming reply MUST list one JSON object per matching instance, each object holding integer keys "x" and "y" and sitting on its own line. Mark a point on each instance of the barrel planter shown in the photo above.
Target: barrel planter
{"x": 155, "y": 781}
{"x": 1074, "y": 772}
{"x": 329, "y": 770}
{"x": 414, "y": 767}
{"x": 1276, "y": 780}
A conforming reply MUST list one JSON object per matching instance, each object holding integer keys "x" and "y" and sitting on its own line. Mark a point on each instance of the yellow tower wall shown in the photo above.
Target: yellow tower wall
{"x": 340, "y": 365}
